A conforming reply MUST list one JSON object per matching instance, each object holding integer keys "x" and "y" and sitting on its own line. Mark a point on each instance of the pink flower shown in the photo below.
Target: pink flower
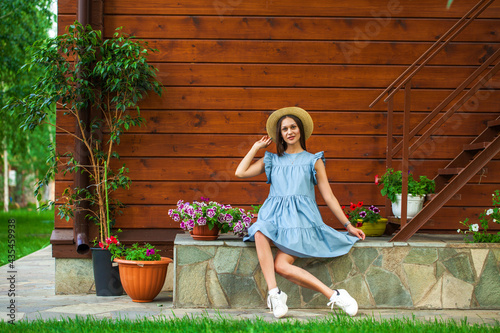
{"x": 150, "y": 252}
{"x": 376, "y": 179}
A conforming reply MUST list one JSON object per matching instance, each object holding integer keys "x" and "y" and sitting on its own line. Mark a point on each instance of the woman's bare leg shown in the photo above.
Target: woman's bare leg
{"x": 283, "y": 265}
{"x": 266, "y": 261}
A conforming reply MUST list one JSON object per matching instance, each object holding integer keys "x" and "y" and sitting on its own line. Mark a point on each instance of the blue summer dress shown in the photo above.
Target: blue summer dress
{"x": 290, "y": 216}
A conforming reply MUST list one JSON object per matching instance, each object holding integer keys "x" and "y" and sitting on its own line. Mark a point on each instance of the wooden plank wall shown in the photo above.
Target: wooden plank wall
{"x": 226, "y": 64}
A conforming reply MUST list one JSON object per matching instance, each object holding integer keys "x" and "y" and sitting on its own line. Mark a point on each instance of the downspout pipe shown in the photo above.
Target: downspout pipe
{"x": 81, "y": 180}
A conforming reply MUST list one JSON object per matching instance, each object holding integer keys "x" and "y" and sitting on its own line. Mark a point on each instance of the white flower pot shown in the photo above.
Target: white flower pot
{"x": 415, "y": 204}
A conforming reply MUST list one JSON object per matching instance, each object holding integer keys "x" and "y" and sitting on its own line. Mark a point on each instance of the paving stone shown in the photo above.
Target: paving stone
{"x": 379, "y": 261}
{"x": 421, "y": 256}
{"x": 73, "y": 276}
{"x": 226, "y": 259}
{"x": 248, "y": 261}
{"x": 191, "y": 285}
{"x": 187, "y": 255}
{"x": 340, "y": 267}
{"x": 421, "y": 279}
{"x": 478, "y": 258}
{"x": 488, "y": 288}
{"x": 393, "y": 257}
{"x": 440, "y": 269}
{"x": 260, "y": 282}
{"x": 363, "y": 258}
{"x": 456, "y": 293}
{"x": 291, "y": 289}
{"x": 241, "y": 291}
{"x": 319, "y": 269}
{"x": 358, "y": 289}
{"x": 215, "y": 294}
{"x": 387, "y": 289}
{"x": 446, "y": 253}
{"x": 461, "y": 268}
{"x": 433, "y": 299}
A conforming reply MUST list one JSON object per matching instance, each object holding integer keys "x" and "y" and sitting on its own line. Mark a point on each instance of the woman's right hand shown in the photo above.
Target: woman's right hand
{"x": 263, "y": 142}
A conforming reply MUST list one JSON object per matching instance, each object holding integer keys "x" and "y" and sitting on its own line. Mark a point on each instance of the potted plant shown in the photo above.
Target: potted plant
{"x": 142, "y": 270}
{"x": 487, "y": 216}
{"x": 204, "y": 219}
{"x": 107, "y": 81}
{"x": 366, "y": 219}
{"x": 393, "y": 184}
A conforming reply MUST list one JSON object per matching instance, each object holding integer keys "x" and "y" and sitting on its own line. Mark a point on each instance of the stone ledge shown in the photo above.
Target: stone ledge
{"x": 429, "y": 272}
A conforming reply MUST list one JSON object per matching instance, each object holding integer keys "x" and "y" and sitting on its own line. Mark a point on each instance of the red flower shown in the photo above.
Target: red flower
{"x": 353, "y": 206}
{"x": 376, "y": 179}
{"x": 359, "y": 224}
{"x": 343, "y": 207}
{"x": 101, "y": 245}
{"x": 360, "y": 204}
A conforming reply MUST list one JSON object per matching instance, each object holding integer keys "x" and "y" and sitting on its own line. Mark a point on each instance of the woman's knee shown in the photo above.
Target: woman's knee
{"x": 282, "y": 267}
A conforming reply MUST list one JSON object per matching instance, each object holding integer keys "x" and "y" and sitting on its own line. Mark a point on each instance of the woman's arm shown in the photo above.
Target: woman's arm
{"x": 331, "y": 200}
{"x": 244, "y": 169}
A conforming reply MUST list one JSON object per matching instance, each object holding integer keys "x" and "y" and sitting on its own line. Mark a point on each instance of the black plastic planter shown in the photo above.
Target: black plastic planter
{"x": 106, "y": 277}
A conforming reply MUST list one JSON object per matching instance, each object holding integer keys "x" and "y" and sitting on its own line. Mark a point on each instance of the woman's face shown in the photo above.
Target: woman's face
{"x": 290, "y": 131}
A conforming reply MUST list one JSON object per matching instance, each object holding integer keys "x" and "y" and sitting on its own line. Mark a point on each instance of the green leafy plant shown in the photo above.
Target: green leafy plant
{"x": 146, "y": 252}
{"x": 489, "y": 215}
{"x": 357, "y": 214}
{"x": 211, "y": 213}
{"x": 108, "y": 80}
{"x": 256, "y": 208}
{"x": 393, "y": 184}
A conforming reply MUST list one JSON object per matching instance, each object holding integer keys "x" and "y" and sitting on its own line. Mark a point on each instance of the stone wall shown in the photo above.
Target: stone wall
{"x": 425, "y": 273}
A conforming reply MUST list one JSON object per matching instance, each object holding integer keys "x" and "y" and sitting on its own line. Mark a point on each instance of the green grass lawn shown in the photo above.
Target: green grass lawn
{"x": 32, "y": 232}
{"x": 335, "y": 323}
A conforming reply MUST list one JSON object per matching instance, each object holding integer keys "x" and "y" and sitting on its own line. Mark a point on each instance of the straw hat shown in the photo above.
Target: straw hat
{"x": 292, "y": 110}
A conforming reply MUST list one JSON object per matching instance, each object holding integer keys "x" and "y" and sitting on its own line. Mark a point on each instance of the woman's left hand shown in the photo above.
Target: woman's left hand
{"x": 356, "y": 232}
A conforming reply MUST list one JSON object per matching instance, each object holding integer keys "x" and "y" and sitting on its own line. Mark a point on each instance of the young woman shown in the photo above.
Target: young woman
{"x": 289, "y": 218}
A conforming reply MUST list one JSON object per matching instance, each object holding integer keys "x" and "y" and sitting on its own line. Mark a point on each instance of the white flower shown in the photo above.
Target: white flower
{"x": 474, "y": 227}
{"x": 489, "y": 211}
{"x": 458, "y": 230}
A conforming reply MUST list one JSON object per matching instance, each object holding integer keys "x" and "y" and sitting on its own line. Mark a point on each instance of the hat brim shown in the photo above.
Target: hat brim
{"x": 300, "y": 113}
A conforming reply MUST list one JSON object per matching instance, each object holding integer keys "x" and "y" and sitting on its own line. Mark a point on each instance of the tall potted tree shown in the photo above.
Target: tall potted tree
{"x": 81, "y": 70}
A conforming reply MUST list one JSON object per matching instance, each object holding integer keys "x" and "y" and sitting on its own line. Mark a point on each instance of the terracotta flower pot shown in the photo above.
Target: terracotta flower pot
{"x": 143, "y": 280}
{"x": 202, "y": 232}
{"x": 374, "y": 229}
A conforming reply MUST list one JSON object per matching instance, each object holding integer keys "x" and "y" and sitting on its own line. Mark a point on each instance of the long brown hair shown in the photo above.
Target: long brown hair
{"x": 281, "y": 145}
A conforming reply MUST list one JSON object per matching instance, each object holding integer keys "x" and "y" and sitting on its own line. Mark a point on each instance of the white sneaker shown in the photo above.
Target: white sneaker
{"x": 277, "y": 303}
{"x": 343, "y": 300}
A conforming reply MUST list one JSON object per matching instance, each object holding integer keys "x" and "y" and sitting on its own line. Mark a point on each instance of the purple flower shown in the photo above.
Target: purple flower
{"x": 238, "y": 227}
{"x": 176, "y": 217}
{"x": 190, "y": 211}
{"x": 372, "y": 207}
{"x": 202, "y": 221}
{"x": 183, "y": 225}
{"x": 211, "y": 212}
{"x": 170, "y": 212}
{"x": 190, "y": 224}
{"x": 362, "y": 213}
{"x": 376, "y": 210}
{"x": 246, "y": 220}
{"x": 179, "y": 203}
{"x": 150, "y": 252}
{"x": 221, "y": 218}
{"x": 229, "y": 217}
{"x": 198, "y": 211}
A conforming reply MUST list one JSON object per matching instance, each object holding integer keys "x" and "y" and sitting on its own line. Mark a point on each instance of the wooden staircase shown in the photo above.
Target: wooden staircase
{"x": 471, "y": 159}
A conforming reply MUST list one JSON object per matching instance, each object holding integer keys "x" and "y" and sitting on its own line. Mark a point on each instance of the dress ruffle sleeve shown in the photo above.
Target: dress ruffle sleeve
{"x": 317, "y": 156}
{"x": 268, "y": 165}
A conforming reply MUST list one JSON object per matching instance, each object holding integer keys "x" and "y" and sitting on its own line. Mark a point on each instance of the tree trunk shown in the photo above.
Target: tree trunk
{"x": 5, "y": 181}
